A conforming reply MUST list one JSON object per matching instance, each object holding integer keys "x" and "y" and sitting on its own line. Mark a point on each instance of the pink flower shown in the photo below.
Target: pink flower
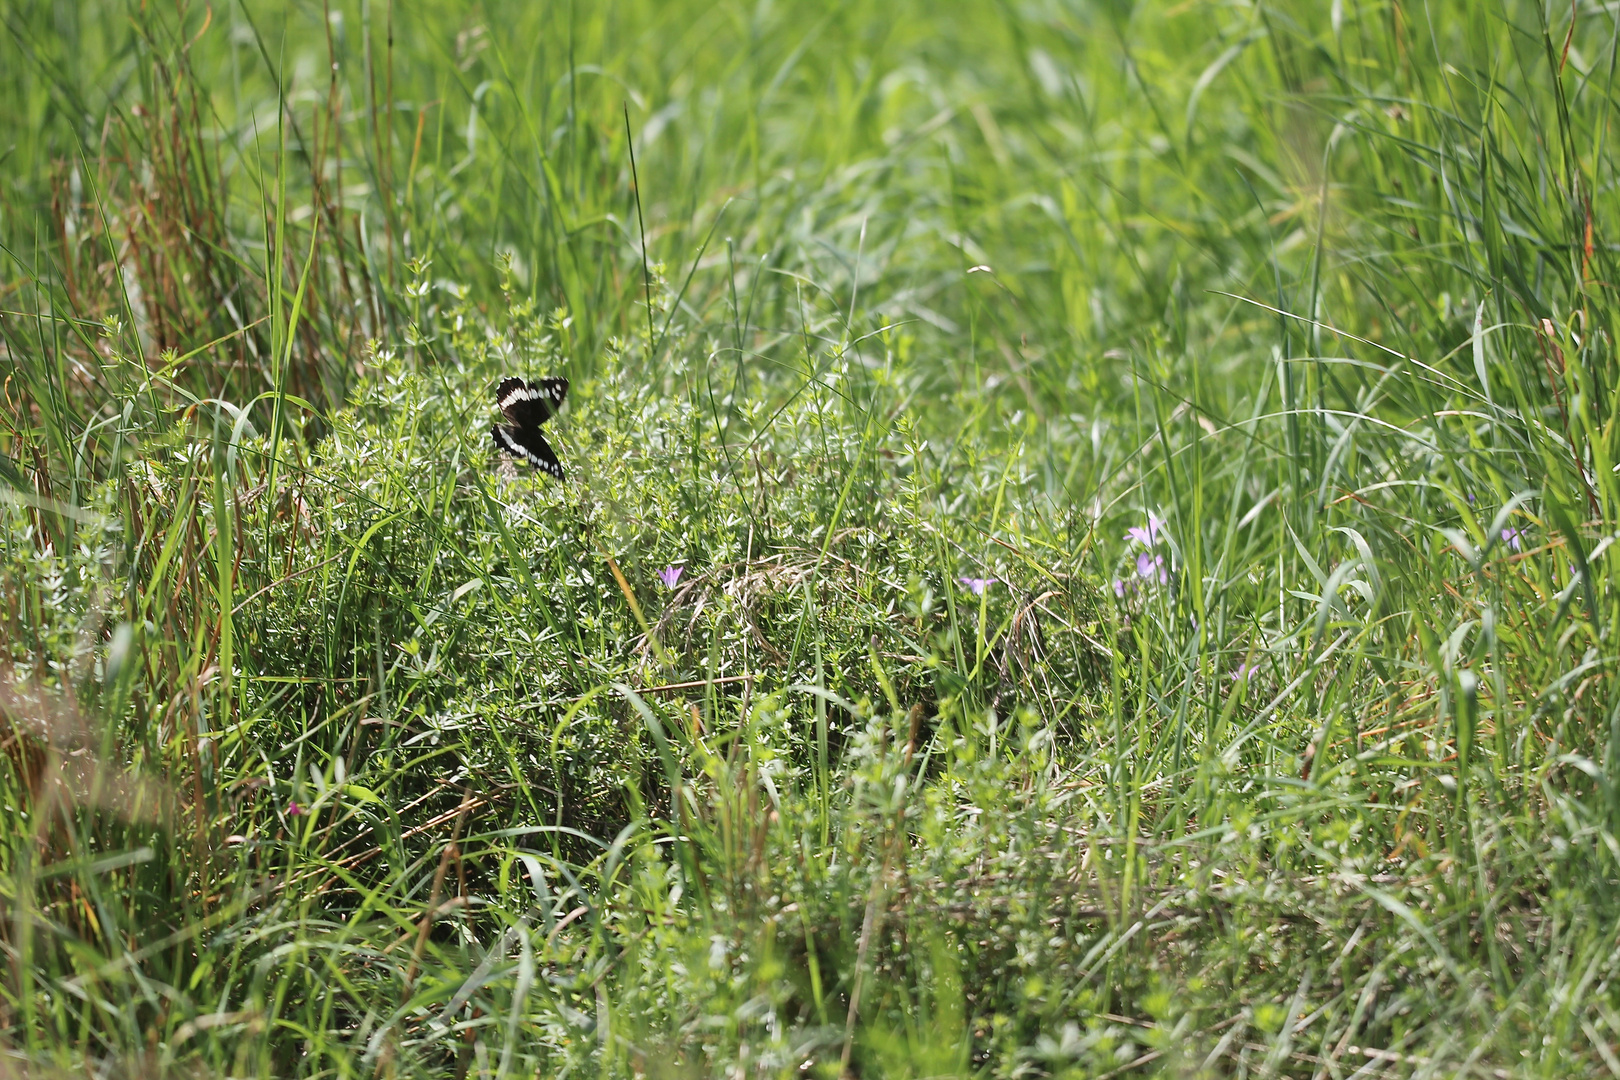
{"x": 1150, "y": 566}
{"x": 1147, "y": 535}
{"x": 294, "y": 810}
{"x": 669, "y": 575}
{"x": 977, "y": 585}
{"x": 1510, "y": 537}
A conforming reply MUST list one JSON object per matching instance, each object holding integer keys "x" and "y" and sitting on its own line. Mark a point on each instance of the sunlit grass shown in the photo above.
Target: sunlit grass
{"x": 1141, "y": 479}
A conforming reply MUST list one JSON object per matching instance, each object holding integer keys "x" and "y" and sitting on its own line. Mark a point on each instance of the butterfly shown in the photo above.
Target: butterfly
{"x": 526, "y": 406}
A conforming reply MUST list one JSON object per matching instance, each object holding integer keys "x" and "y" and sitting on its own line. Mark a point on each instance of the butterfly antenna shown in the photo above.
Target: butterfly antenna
{"x": 635, "y": 185}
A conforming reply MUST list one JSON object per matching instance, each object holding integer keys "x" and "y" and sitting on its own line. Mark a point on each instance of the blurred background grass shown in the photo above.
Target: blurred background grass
{"x": 333, "y": 748}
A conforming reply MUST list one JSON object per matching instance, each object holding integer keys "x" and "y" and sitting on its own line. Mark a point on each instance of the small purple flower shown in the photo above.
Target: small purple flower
{"x": 1510, "y": 537}
{"x": 1147, "y": 535}
{"x": 1243, "y": 672}
{"x": 669, "y": 575}
{"x": 1120, "y": 586}
{"x": 294, "y": 810}
{"x": 977, "y": 585}
{"x": 1150, "y": 566}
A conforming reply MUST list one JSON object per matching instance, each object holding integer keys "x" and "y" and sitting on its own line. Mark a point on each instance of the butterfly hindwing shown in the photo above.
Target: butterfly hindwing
{"x": 530, "y": 404}
{"x": 529, "y": 445}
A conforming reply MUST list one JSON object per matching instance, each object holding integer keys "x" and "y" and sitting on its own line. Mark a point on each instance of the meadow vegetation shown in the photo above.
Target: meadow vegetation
{"x": 1141, "y": 476}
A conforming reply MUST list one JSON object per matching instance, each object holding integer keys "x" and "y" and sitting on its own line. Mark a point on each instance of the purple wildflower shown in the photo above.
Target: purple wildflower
{"x": 294, "y": 810}
{"x": 1147, "y": 535}
{"x": 1119, "y": 587}
{"x": 976, "y": 585}
{"x": 669, "y": 575}
{"x": 1150, "y": 566}
{"x": 1243, "y": 672}
{"x": 1510, "y": 537}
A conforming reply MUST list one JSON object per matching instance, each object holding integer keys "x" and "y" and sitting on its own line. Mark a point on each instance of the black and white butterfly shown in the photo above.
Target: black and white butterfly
{"x": 526, "y": 406}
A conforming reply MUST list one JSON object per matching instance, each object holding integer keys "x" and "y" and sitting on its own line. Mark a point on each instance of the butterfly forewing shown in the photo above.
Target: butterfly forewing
{"x": 530, "y": 404}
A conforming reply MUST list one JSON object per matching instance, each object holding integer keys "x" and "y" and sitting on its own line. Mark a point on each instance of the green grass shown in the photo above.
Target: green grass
{"x": 332, "y": 748}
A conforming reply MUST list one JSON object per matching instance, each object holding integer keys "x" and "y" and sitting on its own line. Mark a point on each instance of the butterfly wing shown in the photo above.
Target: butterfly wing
{"x": 528, "y": 405}
{"x": 529, "y": 445}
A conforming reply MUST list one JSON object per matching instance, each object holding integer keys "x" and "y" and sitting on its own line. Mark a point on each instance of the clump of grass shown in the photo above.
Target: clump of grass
{"x": 1140, "y": 480}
